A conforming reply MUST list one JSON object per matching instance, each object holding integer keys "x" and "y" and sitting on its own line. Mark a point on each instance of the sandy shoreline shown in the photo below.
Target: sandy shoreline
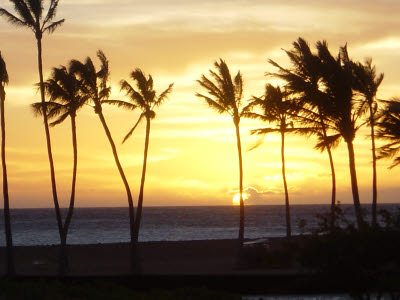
{"x": 216, "y": 257}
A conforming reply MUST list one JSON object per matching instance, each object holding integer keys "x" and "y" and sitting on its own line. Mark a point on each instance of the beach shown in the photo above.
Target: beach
{"x": 203, "y": 257}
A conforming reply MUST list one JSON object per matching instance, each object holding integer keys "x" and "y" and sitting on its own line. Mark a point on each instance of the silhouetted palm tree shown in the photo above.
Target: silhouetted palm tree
{"x": 304, "y": 79}
{"x": 277, "y": 108}
{"x": 225, "y": 96}
{"x": 338, "y": 81}
{"x": 96, "y": 88}
{"x": 63, "y": 88}
{"x": 30, "y": 15}
{"x": 144, "y": 98}
{"x": 389, "y": 130}
{"x": 7, "y": 219}
{"x": 367, "y": 83}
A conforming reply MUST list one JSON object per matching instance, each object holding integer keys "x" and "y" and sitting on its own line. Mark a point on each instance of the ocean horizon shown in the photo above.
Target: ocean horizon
{"x": 94, "y": 225}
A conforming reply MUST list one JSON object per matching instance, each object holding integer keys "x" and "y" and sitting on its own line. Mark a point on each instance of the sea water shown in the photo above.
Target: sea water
{"x": 111, "y": 224}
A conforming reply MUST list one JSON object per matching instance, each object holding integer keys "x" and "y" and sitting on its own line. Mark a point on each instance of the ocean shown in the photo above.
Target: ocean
{"x": 111, "y": 225}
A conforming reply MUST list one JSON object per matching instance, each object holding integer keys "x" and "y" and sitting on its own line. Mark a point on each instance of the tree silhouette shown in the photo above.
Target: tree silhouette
{"x": 7, "y": 219}
{"x": 63, "y": 88}
{"x": 389, "y": 130}
{"x": 95, "y": 85}
{"x": 304, "y": 79}
{"x": 225, "y": 96}
{"x": 29, "y": 14}
{"x": 338, "y": 81}
{"x": 277, "y": 108}
{"x": 367, "y": 83}
{"x": 144, "y": 98}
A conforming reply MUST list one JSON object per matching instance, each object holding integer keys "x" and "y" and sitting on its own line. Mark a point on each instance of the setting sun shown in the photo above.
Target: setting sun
{"x": 236, "y": 198}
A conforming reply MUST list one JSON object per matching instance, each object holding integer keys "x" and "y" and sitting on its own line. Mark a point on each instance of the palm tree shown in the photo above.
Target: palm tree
{"x": 7, "y": 219}
{"x": 389, "y": 130}
{"x": 338, "y": 81}
{"x": 225, "y": 96}
{"x": 63, "y": 88}
{"x": 367, "y": 83}
{"x": 95, "y": 85}
{"x": 146, "y": 100}
{"x": 304, "y": 79}
{"x": 277, "y": 108}
{"x": 30, "y": 15}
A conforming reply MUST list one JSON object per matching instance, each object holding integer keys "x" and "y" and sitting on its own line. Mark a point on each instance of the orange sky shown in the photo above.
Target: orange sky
{"x": 193, "y": 157}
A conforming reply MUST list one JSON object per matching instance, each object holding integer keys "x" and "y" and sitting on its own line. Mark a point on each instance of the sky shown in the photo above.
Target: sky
{"x": 193, "y": 156}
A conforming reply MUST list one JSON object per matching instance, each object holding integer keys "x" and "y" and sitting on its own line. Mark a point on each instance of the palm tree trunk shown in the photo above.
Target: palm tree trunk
{"x": 288, "y": 225}
{"x": 354, "y": 185}
{"x": 50, "y": 155}
{"x": 134, "y": 259}
{"x": 72, "y": 199}
{"x": 239, "y": 147}
{"x": 7, "y": 219}
{"x": 140, "y": 201}
{"x": 333, "y": 175}
{"x": 374, "y": 175}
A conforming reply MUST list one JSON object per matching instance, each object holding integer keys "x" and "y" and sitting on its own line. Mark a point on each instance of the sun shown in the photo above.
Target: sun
{"x": 236, "y": 198}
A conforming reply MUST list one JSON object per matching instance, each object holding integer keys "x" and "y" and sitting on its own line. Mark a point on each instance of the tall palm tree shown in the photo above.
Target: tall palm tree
{"x": 96, "y": 87}
{"x": 338, "y": 81}
{"x": 63, "y": 88}
{"x": 7, "y": 219}
{"x": 277, "y": 108}
{"x": 304, "y": 79}
{"x": 144, "y": 98}
{"x": 29, "y": 14}
{"x": 225, "y": 96}
{"x": 389, "y": 130}
{"x": 367, "y": 83}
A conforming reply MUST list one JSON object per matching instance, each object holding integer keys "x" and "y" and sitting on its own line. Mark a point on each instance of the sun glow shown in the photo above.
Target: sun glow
{"x": 236, "y": 198}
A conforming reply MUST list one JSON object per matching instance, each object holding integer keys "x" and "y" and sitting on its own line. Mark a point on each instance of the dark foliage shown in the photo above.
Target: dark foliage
{"x": 53, "y": 289}
{"x": 367, "y": 258}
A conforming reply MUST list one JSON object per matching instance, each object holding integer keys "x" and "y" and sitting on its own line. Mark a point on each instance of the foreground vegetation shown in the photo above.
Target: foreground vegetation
{"x": 340, "y": 255}
{"x": 42, "y": 289}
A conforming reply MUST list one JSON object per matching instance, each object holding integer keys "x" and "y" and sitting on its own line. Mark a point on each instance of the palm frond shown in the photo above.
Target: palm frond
{"x": 213, "y": 104}
{"x": 133, "y": 128}
{"x": 255, "y": 145}
{"x": 53, "y": 26}
{"x": 301, "y": 131}
{"x": 330, "y": 141}
{"x": 238, "y": 88}
{"x": 261, "y": 131}
{"x": 389, "y": 151}
{"x": 213, "y": 90}
{"x": 255, "y": 101}
{"x": 55, "y": 109}
{"x": 39, "y": 107}
{"x": 140, "y": 77}
{"x": 104, "y": 93}
{"x": 60, "y": 119}
{"x": 121, "y": 104}
{"x": 125, "y": 86}
{"x": 23, "y": 11}
{"x": 164, "y": 95}
{"x": 253, "y": 115}
{"x": 13, "y": 19}
{"x": 36, "y": 7}
{"x": 51, "y": 13}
